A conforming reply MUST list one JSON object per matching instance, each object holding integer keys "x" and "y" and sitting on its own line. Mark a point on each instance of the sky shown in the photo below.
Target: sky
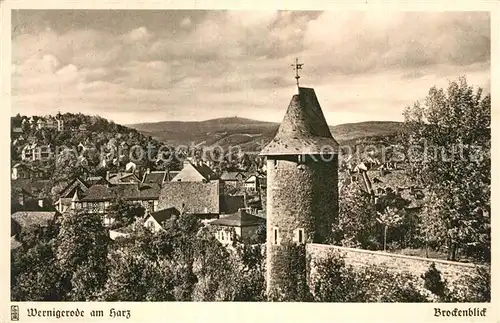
{"x": 157, "y": 65}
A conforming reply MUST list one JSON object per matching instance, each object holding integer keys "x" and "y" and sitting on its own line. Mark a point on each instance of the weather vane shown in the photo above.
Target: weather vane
{"x": 296, "y": 67}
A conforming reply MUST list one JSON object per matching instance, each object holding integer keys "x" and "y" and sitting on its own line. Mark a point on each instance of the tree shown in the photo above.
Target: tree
{"x": 67, "y": 166}
{"x": 35, "y": 275}
{"x": 125, "y": 213}
{"x": 357, "y": 226}
{"x": 448, "y": 141}
{"x": 389, "y": 218}
{"x": 82, "y": 248}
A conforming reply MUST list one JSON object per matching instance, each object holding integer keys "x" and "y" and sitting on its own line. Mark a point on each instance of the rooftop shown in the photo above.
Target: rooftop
{"x": 165, "y": 214}
{"x": 133, "y": 191}
{"x": 239, "y": 219}
{"x": 304, "y": 129}
{"x": 191, "y": 197}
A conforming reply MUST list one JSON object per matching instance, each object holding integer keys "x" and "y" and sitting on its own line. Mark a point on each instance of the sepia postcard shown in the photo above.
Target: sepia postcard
{"x": 224, "y": 162}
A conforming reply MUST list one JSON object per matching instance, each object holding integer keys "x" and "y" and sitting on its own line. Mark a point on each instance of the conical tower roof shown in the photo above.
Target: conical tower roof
{"x": 303, "y": 130}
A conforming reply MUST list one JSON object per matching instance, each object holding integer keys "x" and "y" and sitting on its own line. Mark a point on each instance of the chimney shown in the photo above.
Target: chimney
{"x": 40, "y": 202}
{"x": 107, "y": 175}
{"x": 148, "y": 170}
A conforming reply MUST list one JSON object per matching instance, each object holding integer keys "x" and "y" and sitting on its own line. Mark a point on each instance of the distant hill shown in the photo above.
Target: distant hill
{"x": 250, "y": 134}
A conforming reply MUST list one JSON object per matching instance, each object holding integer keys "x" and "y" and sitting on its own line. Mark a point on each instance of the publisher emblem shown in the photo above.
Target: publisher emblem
{"x": 14, "y": 313}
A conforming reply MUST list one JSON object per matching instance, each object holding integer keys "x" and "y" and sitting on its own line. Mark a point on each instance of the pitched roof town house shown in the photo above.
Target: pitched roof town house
{"x": 252, "y": 183}
{"x": 232, "y": 177}
{"x": 98, "y": 198}
{"x": 78, "y": 186}
{"x": 155, "y": 220}
{"x": 33, "y": 152}
{"x": 238, "y": 226}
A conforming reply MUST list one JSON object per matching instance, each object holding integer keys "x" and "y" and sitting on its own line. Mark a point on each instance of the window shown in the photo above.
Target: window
{"x": 276, "y": 236}
{"x": 299, "y": 236}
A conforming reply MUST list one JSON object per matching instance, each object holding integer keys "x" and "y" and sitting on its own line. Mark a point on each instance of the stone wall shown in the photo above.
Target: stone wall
{"x": 452, "y": 271}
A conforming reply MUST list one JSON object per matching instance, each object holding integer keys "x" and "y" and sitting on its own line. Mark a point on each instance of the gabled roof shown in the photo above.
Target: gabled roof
{"x": 231, "y": 176}
{"x": 191, "y": 197}
{"x": 304, "y": 129}
{"x": 251, "y": 179}
{"x": 139, "y": 191}
{"x": 163, "y": 215}
{"x": 76, "y": 183}
{"x": 239, "y": 219}
{"x": 194, "y": 173}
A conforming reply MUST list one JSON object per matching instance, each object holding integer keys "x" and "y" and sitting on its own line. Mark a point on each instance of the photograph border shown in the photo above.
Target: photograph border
{"x": 251, "y": 312}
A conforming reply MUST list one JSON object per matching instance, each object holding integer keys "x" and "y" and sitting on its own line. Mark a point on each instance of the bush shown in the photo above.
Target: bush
{"x": 472, "y": 289}
{"x": 434, "y": 282}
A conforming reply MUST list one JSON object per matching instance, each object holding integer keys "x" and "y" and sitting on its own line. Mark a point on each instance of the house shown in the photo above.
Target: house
{"x": 155, "y": 220}
{"x": 99, "y": 198}
{"x": 34, "y": 186}
{"x": 46, "y": 124}
{"x": 82, "y": 127}
{"x": 20, "y": 171}
{"x": 252, "y": 183}
{"x": 238, "y": 226}
{"x": 232, "y": 177}
{"x": 32, "y": 152}
{"x": 66, "y": 195}
{"x": 27, "y": 152}
{"x": 60, "y": 125}
{"x": 22, "y": 200}
{"x": 195, "y": 172}
{"x": 16, "y": 132}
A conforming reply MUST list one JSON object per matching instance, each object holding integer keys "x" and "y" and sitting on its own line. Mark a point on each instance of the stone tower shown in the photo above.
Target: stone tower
{"x": 302, "y": 182}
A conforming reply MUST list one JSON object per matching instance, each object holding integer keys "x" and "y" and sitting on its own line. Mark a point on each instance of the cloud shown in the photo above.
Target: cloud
{"x": 364, "y": 42}
{"x": 171, "y": 64}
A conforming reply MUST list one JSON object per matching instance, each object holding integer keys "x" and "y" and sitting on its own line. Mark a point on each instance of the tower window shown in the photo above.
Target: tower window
{"x": 275, "y": 236}
{"x": 299, "y": 236}
{"x": 301, "y": 159}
